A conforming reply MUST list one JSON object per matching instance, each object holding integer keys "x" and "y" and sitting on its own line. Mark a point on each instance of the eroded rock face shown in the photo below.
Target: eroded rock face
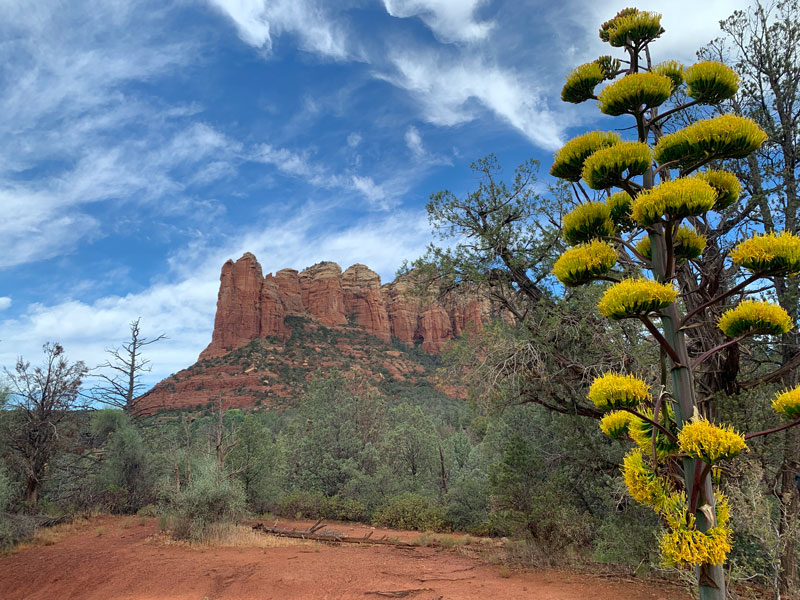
{"x": 251, "y": 306}
{"x": 238, "y": 306}
{"x": 322, "y": 294}
{"x": 364, "y": 305}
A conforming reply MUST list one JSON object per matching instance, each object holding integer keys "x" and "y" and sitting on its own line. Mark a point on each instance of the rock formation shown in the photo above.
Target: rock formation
{"x": 252, "y": 306}
{"x": 259, "y": 357}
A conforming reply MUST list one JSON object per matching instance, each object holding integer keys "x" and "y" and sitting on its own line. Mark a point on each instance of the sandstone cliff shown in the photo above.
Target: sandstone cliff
{"x": 252, "y": 306}
{"x": 274, "y": 333}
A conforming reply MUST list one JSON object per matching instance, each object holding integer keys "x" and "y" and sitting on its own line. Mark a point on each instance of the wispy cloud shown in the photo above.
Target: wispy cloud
{"x": 184, "y": 308}
{"x": 450, "y": 20}
{"x": 315, "y": 29}
{"x": 450, "y": 91}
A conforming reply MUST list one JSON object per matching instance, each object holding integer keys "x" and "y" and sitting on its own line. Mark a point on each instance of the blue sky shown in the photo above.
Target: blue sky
{"x": 145, "y": 143}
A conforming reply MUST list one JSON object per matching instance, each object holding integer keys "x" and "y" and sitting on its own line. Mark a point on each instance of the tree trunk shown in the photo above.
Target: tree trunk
{"x": 790, "y": 503}
{"x": 710, "y": 578}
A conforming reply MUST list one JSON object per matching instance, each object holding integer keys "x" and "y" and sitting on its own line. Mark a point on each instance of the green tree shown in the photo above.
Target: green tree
{"x": 655, "y": 224}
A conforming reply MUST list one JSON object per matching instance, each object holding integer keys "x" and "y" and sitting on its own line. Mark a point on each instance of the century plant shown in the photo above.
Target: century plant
{"x": 655, "y": 196}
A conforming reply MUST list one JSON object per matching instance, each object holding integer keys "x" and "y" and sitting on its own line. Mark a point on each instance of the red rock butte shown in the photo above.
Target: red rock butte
{"x": 274, "y": 334}
{"x": 251, "y": 306}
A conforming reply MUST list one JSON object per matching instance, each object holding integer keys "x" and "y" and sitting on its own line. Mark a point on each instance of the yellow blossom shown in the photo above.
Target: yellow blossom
{"x": 631, "y": 25}
{"x": 726, "y": 186}
{"x": 611, "y": 390}
{"x": 587, "y": 221}
{"x": 711, "y": 443}
{"x": 754, "y": 317}
{"x": 688, "y": 244}
{"x": 788, "y": 403}
{"x": 710, "y": 82}
{"x": 631, "y": 297}
{"x": 581, "y": 83}
{"x": 725, "y": 136}
{"x": 620, "y": 204}
{"x": 641, "y": 432}
{"x": 584, "y": 263}
{"x": 643, "y": 484}
{"x": 568, "y": 162}
{"x": 771, "y": 253}
{"x": 615, "y": 424}
{"x": 675, "y": 199}
{"x": 634, "y": 92}
{"x": 684, "y": 546}
{"x": 672, "y": 69}
{"x": 611, "y": 166}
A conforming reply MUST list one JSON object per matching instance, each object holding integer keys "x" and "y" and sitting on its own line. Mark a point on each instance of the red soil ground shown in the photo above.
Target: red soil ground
{"x": 112, "y": 558}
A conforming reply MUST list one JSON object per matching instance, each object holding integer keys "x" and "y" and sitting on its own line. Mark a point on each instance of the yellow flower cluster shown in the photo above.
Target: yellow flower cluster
{"x": 610, "y": 391}
{"x": 631, "y": 297}
{"x": 771, "y": 253}
{"x": 688, "y": 244}
{"x": 725, "y": 136}
{"x": 584, "y": 263}
{"x": 675, "y": 199}
{"x": 726, "y": 186}
{"x": 643, "y": 484}
{"x": 581, "y": 83}
{"x": 631, "y": 26}
{"x": 754, "y": 317}
{"x": 611, "y": 166}
{"x": 684, "y": 546}
{"x": 615, "y": 424}
{"x": 568, "y": 162}
{"x": 620, "y": 204}
{"x": 711, "y": 82}
{"x": 586, "y": 222}
{"x": 672, "y": 69}
{"x": 641, "y": 432}
{"x": 788, "y": 403}
{"x": 711, "y": 443}
{"x": 635, "y": 92}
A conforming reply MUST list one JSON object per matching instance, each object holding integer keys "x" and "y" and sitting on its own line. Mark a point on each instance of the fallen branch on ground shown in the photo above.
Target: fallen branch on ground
{"x": 317, "y": 533}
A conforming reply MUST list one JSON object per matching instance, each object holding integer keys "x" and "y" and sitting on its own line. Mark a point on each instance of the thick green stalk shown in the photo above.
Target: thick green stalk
{"x": 710, "y": 578}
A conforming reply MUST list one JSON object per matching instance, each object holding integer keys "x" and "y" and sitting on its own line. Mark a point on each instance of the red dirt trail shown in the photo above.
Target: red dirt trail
{"x": 111, "y": 558}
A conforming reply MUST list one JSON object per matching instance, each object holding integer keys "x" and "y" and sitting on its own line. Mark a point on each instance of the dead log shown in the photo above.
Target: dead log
{"x": 399, "y": 593}
{"x": 313, "y": 533}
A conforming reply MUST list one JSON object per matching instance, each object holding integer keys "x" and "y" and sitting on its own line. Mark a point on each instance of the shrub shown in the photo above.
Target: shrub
{"x": 211, "y": 498}
{"x": 315, "y": 505}
{"x": 410, "y": 511}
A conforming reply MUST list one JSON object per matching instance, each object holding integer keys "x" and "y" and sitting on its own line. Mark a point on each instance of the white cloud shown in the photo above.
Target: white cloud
{"x": 47, "y": 218}
{"x": 354, "y": 139}
{"x": 5, "y": 302}
{"x": 371, "y": 191}
{"x": 301, "y": 165}
{"x": 414, "y": 141}
{"x": 184, "y": 309}
{"x": 316, "y": 31}
{"x": 448, "y": 90}
{"x": 450, "y": 20}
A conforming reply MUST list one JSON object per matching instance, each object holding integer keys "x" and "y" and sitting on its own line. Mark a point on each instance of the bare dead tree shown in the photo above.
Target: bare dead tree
{"x": 42, "y": 399}
{"x": 121, "y": 384}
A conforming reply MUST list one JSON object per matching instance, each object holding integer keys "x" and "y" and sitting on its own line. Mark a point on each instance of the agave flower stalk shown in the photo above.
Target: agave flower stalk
{"x": 698, "y": 534}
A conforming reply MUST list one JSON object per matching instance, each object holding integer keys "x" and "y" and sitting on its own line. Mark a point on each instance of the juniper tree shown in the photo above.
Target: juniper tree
{"x": 643, "y": 232}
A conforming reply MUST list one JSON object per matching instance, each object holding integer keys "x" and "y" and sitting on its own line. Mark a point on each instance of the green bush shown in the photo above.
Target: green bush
{"x": 410, "y": 511}
{"x": 314, "y": 505}
{"x": 302, "y": 504}
{"x": 211, "y": 498}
